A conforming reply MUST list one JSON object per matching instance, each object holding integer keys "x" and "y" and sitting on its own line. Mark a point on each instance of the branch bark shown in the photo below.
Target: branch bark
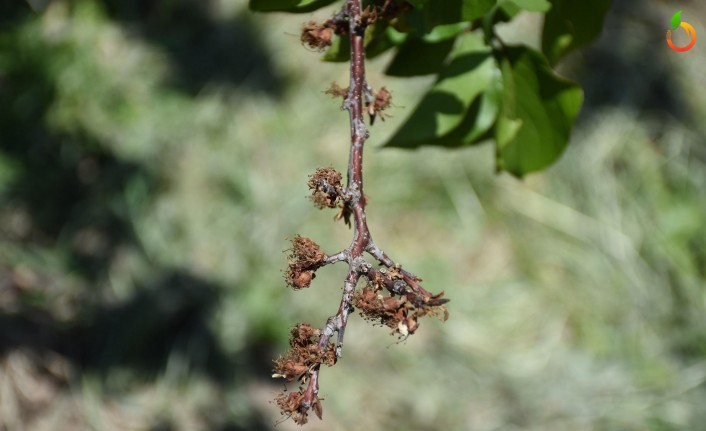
{"x": 354, "y": 190}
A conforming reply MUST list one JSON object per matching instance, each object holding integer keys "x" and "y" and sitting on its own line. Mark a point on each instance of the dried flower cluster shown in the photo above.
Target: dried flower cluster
{"x": 401, "y": 309}
{"x": 375, "y": 102}
{"x": 336, "y": 90}
{"x": 305, "y": 258}
{"x": 391, "y": 296}
{"x": 326, "y": 187}
{"x": 375, "y": 106}
{"x": 316, "y": 36}
{"x": 291, "y": 404}
{"x": 304, "y": 355}
{"x": 320, "y": 36}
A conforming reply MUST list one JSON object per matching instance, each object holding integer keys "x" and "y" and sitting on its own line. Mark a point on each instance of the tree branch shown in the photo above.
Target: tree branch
{"x": 361, "y": 235}
{"x": 400, "y": 314}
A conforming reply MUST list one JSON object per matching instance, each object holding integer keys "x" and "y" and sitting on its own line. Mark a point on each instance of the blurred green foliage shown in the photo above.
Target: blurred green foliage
{"x": 153, "y": 161}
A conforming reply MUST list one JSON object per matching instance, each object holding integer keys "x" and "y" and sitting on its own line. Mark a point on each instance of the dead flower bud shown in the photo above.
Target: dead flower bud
{"x": 338, "y": 23}
{"x": 305, "y": 257}
{"x": 316, "y": 36}
{"x": 288, "y": 369}
{"x": 291, "y": 405}
{"x": 330, "y": 357}
{"x": 374, "y": 307}
{"x": 303, "y": 335}
{"x": 317, "y": 408}
{"x": 300, "y": 280}
{"x": 304, "y": 354}
{"x": 327, "y": 189}
{"x": 382, "y": 101}
{"x": 401, "y": 313}
{"x": 336, "y": 90}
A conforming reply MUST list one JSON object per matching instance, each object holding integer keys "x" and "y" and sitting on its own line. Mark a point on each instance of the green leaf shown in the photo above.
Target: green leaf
{"x": 571, "y": 24}
{"x": 528, "y": 5}
{"x": 445, "y": 32}
{"x": 416, "y": 57}
{"x": 676, "y": 20}
{"x": 293, "y": 6}
{"x": 507, "y": 10}
{"x": 339, "y": 51}
{"x": 538, "y": 111}
{"x": 437, "y": 12}
{"x": 477, "y": 124}
{"x": 444, "y": 108}
{"x": 481, "y": 119}
{"x": 378, "y": 39}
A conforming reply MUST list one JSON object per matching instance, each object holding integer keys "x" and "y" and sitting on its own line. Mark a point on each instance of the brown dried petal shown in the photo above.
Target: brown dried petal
{"x": 300, "y": 280}
{"x": 383, "y": 98}
{"x": 305, "y": 257}
{"x": 306, "y": 252}
{"x": 318, "y": 409}
{"x": 391, "y": 303}
{"x": 368, "y": 16}
{"x": 336, "y": 90}
{"x": 412, "y": 324}
{"x": 290, "y": 404}
{"x": 288, "y": 369}
{"x": 326, "y": 182}
{"x": 382, "y": 101}
{"x": 316, "y": 36}
{"x": 303, "y": 334}
{"x": 329, "y": 358}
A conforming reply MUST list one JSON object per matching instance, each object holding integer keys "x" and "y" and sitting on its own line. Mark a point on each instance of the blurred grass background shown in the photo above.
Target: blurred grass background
{"x": 153, "y": 161}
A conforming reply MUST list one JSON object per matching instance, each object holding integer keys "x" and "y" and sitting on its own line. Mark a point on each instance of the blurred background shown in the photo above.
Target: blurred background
{"x": 153, "y": 162}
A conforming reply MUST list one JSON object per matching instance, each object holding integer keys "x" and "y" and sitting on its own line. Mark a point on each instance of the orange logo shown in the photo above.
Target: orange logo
{"x": 676, "y": 23}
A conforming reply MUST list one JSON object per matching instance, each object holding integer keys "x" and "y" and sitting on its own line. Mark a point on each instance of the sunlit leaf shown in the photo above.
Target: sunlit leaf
{"x": 438, "y": 12}
{"x": 443, "y": 109}
{"x": 538, "y": 111}
{"x": 528, "y": 5}
{"x": 339, "y": 51}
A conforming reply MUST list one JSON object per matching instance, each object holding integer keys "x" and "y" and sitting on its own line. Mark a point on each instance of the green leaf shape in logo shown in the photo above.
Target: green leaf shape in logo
{"x": 676, "y": 20}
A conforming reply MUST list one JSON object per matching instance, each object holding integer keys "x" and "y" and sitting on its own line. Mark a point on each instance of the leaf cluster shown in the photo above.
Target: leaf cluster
{"x": 484, "y": 89}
